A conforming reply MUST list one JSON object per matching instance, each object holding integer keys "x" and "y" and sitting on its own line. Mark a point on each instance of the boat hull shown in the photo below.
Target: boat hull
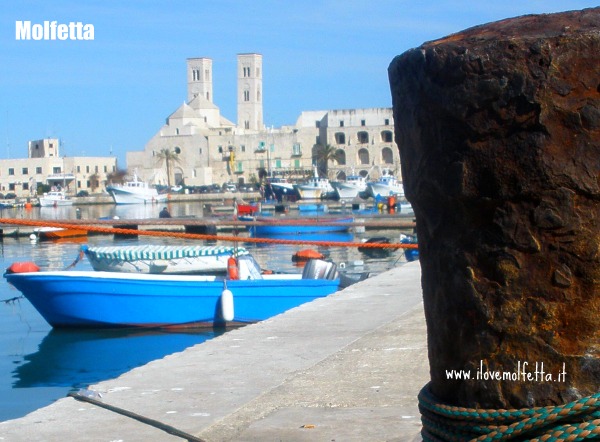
{"x": 124, "y": 196}
{"x": 277, "y": 228}
{"x": 108, "y": 300}
{"x": 53, "y": 233}
{"x": 376, "y": 189}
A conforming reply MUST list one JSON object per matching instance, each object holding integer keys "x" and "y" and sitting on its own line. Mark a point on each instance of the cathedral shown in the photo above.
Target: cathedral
{"x": 198, "y": 146}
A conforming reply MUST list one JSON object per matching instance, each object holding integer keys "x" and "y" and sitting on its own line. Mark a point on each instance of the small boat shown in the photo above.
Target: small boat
{"x": 313, "y": 208}
{"x": 275, "y": 226}
{"x": 386, "y": 185}
{"x": 306, "y": 255}
{"x": 351, "y": 187}
{"x": 280, "y": 189}
{"x": 376, "y": 252}
{"x": 314, "y": 188}
{"x": 55, "y": 198}
{"x": 247, "y": 209}
{"x": 156, "y": 259}
{"x": 135, "y": 192}
{"x": 93, "y": 299}
{"x": 55, "y": 233}
{"x": 410, "y": 254}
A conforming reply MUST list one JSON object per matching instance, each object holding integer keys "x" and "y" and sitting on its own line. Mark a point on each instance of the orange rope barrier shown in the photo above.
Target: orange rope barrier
{"x": 120, "y": 231}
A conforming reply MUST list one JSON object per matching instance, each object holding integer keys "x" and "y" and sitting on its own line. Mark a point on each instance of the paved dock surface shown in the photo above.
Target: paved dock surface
{"x": 343, "y": 368}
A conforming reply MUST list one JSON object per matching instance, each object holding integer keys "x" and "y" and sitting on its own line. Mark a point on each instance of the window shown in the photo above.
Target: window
{"x": 243, "y": 148}
{"x": 340, "y": 138}
{"x": 87, "y": 170}
{"x": 341, "y": 123}
{"x": 340, "y": 157}
{"x": 363, "y": 156}
{"x": 220, "y": 149}
{"x": 177, "y": 150}
{"x": 25, "y": 186}
{"x": 78, "y": 169}
{"x": 363, "y": 137}
{"x": 96, "y": 169}
{"x": 38, "y": 170}
{"x": 386, "y": 136}
{"x": 386, "y": 121}
{"x": 363, "y": 122}
{"x": 105, "y": 169}
{"x": 296, "y": 151}
{"x": 11, "y": 171}
{"x": 387, "y": 155}
{"x": 207, "y": 74}
{"x": 246, "y": 95}
{"x": 25, "y": 171}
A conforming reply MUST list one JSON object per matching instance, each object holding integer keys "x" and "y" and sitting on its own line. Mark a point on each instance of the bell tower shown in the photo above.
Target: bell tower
{"x": 249, "y": 101}
{"x": 199, "y": 78}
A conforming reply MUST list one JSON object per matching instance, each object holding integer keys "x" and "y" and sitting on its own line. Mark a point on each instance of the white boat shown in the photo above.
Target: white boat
{"x": 162, "y": 259}
{"x": 55, "y": 198}
{"x": 386, "y": 185}
{"x": 314, "y": 188}
{"x": 135, "y": 192}
{"x": 351, "y": 187}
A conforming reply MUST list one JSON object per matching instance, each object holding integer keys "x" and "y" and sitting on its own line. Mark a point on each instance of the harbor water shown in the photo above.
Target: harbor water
{"x": 39, "y": 365}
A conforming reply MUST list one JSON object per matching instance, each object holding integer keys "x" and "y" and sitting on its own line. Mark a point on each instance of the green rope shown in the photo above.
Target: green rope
{"x": 576, "y": 421}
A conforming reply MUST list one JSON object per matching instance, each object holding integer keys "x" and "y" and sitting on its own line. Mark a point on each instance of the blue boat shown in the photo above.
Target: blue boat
{"x": 274, "y": 226}
{"x": 95, "y": 299}
{"x": 410, "y": 254}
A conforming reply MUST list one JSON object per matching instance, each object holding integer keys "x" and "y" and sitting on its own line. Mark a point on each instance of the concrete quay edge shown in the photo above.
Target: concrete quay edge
{"x": 345, "y": 367}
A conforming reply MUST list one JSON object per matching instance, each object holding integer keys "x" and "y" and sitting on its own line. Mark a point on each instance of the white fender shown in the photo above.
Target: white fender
{"x": 227, "y": 310}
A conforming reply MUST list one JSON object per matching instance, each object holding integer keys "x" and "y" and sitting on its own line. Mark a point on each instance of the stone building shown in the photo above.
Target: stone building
{"x": 45, "y": 165}
{"x": 204, "y": 147}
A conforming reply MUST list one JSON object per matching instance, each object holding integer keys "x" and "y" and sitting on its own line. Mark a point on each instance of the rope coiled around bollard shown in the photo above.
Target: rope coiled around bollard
{"x": 576, "y": 421}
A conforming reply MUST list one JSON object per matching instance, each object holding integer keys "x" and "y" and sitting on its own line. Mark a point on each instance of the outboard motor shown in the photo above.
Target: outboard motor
{"x": 319, "y": 269}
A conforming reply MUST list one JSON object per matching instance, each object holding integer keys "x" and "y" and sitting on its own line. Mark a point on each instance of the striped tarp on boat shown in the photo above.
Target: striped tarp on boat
{"x": 134, "y": 253}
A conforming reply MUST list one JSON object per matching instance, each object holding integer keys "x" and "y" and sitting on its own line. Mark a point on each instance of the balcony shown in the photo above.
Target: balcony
{"x": 55, "y": 177}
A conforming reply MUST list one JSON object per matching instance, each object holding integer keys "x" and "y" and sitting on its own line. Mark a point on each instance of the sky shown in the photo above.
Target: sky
{"x": 112, "y": 94}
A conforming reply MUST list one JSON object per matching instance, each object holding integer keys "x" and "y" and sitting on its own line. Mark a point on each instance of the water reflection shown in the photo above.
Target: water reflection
{"x": 78, "y": 358}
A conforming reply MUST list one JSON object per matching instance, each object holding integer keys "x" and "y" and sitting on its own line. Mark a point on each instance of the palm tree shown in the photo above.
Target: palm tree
{"x": 167, "y": 156}
{"x": 324, "y": 154}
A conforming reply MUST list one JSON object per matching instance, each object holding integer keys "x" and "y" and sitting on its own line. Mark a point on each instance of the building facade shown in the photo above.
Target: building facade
{"x": 44, "y": 165}
{"x": 206, "y": 148}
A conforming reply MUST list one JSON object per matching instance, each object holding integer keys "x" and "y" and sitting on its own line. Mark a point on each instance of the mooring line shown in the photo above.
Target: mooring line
{"x": 138, "y": 417}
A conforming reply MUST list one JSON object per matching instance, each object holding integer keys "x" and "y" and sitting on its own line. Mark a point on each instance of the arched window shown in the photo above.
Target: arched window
{"x": 363, "y": 137}
{"x": 363, "y": 156}
{"x": 177, "y": 150}
{"x": 387, "y": 136}
{"x": 340, "y": 157}
{"x": 387, "y": 155}
{"x": 340, "y": 138}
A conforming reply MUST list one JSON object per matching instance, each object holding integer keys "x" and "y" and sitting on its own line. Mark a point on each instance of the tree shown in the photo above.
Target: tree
{"x": 325, "y": 154}
{"x": 116, "y": 177}
{"x": 167, "y": 156}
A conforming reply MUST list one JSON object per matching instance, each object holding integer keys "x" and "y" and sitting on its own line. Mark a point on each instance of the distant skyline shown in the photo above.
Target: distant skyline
{"x": 113, "y": 93}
